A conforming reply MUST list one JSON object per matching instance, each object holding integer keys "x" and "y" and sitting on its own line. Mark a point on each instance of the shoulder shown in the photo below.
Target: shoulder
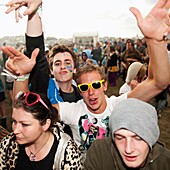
{"x": 68, "y": 154}
{"x": 73, "y": 157}
{"x": 74, "y": 83}
{"x": 116, "y": 99}
{"x": 159, "y": 157}
{"x": 124, "y": 88}
{"x": 53, "y": 91}
{"x": 9, "y": 145}
{"x": 3, "y": 132}
{"x": 8, "y": 139}
{"x": 100, "y": 147}
{"x": 100, "y": 155}
{"x": 160, "y": 153}
{"x": 52, "y": 83}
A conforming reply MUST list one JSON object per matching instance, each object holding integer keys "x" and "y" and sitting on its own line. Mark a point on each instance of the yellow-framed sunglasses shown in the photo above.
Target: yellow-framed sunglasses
{"x": 95, "y": 85}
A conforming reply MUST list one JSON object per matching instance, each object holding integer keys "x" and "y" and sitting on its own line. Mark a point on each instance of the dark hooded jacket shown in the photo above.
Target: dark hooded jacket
{"x": 103, "y": 155}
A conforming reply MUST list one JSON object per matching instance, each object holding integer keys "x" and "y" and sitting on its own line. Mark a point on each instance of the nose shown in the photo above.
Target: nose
{"x": 129, "y": 146}
{"x": 63, "y": 65}
{"x": 16, "y": 128}
{"x": 91, "y": 91}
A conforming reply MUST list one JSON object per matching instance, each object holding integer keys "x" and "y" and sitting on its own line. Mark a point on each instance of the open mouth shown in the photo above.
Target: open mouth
{"x": 93, "y": 101}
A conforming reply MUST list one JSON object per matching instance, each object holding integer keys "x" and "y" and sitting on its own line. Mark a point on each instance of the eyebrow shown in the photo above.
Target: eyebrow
{"x": 60, "y": 60}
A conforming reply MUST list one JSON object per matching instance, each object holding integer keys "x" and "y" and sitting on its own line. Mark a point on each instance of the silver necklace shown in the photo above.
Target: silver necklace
{"x": 32, "y": 155}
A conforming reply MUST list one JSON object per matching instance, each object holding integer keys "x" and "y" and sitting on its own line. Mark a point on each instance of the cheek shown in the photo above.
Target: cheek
{"x": 70, "y": 68}
{"x": 120, "y": 144}
{"x": 84, "y": 95}
{"x": 55, "y": 70}
{"x": 32, "y": 134}
{"x": 100, "y": 92}
{"x": 144, "y": 149}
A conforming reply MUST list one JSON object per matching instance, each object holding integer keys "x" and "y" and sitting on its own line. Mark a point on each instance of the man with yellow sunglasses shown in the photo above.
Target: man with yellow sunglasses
{"x": 89, "y": 117}
{"x": 95, "y": 85}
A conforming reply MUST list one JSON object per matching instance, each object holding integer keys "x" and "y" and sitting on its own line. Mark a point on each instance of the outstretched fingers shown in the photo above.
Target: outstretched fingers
{"x": 7, "y": 51}
{"x": 12, "y": 7}
{"x": 12, "y": 52}
{"x": 14, "y": 3}
{"x": 17, "y": 15}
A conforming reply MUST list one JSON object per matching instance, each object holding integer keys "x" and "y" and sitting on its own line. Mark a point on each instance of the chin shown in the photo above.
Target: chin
{"x": 133, "y": 165}
{"x": 21, "y": 141}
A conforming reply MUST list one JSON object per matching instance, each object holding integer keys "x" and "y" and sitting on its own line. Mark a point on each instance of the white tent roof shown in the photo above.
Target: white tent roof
{"x": 85, "y": 34}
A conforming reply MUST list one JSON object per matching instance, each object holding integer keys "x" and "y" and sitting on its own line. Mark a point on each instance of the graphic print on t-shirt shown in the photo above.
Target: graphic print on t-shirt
{"x": 90, "y": 130}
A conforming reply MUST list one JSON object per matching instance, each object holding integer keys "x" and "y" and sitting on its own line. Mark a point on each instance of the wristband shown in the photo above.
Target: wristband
{"x": 23, "y": 77}
{"x": 17, "y": 78}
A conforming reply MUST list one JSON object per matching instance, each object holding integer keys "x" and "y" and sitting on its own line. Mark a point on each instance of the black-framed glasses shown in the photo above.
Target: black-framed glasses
{"x": 95, "y": 85}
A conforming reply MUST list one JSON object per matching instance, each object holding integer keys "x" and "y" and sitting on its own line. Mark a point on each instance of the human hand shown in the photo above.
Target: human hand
{"x": 133, "y": 84}
{"x": 32, "y": 6}
{"x": 17, "y": 62}
{"x": 156, "y": 25}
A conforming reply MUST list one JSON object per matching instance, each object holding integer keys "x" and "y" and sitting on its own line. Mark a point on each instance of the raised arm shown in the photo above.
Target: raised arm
{"x": 155, "y": 27}
{"x": 34, "y": 44}
{"x": 34, "y": 39}
{"x": 39, "y": 76}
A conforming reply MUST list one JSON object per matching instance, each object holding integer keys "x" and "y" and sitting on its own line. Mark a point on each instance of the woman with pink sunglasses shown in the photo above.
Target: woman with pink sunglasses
{"x": 36, "y": 141}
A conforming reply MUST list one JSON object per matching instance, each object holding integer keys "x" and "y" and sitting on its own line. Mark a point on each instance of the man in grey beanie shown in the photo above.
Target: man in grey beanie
{"x": 133, "y": 142}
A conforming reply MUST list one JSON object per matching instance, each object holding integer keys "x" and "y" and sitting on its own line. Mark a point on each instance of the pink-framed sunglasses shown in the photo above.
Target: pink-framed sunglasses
{"x": 32, "y": 98}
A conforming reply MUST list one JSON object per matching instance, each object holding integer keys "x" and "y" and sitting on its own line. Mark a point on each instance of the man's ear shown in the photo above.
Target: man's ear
{"x": 51, "y": 71}
{"x": 105, "y": 84}
{"x": 74, "y": 71}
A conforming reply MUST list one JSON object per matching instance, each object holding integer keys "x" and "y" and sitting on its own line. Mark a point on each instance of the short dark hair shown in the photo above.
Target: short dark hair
{"x": 61, "y": 49}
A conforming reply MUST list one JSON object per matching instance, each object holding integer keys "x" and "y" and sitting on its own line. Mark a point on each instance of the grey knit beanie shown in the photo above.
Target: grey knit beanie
{"x": 138, "y": 117}
{"x": 133, "y": 71}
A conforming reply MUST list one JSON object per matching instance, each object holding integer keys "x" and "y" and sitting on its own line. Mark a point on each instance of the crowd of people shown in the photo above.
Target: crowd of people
{"x": 62, "y": 118}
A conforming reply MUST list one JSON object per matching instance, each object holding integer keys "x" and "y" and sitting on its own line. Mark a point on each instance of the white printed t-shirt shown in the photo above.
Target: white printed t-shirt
{"x": 87, "y": 126}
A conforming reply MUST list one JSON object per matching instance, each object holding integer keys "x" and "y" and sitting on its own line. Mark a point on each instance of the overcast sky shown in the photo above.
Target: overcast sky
{"x": 63, "y": 18}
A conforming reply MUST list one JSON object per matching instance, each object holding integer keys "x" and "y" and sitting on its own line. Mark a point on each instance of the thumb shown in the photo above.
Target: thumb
{"x": 137, "y": 14}
{"x": 35, "y": 54}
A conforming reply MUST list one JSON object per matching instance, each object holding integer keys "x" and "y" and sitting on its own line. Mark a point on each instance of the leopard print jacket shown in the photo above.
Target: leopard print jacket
{"x": 67, "y": 156}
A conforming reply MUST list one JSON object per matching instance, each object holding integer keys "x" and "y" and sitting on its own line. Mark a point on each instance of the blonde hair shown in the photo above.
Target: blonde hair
{"x": 89, "y": 68}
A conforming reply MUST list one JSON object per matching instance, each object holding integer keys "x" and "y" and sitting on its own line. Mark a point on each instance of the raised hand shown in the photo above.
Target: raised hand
{"x": 18, "y": 63}
{"x": 156, "y": 25}
{"x": 32, "y": 6}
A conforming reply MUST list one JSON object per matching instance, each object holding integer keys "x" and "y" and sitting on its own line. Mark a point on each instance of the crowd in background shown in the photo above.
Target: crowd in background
{"x": 114, "y": 57}
{"x": 61, "y": 115}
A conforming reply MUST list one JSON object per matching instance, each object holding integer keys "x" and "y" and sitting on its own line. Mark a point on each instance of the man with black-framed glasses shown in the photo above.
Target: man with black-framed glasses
{"x": 90, "y": 116}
